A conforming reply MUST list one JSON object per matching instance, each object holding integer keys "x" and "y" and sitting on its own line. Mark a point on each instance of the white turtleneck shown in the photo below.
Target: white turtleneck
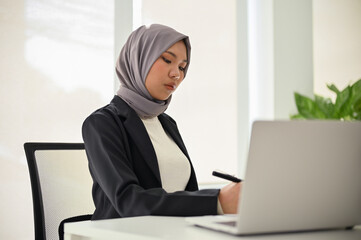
{"x": 174, "y": 166}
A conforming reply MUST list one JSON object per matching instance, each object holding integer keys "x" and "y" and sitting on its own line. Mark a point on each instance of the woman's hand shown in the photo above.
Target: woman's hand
{"x": 229, "y": 197}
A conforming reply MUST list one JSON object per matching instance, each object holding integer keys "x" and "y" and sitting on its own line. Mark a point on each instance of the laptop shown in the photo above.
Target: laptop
{"x": 301, "y": 175}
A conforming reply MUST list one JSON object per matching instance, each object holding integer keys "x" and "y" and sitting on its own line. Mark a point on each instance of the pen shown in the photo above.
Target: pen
{"x": 226, "y": 176}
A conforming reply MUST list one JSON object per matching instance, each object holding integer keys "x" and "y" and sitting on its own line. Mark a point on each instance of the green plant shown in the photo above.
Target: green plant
{"x": 346, "y": 107}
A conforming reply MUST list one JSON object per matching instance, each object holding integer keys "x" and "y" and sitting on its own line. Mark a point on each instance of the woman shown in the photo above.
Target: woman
{"x": 137, "y": 158}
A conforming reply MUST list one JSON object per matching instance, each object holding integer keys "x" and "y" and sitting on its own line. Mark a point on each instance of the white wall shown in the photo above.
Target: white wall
{"x": 337, "y": 44}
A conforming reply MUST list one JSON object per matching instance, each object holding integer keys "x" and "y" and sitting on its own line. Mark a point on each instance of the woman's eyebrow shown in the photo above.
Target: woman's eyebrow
{"x": 171, "y": 53}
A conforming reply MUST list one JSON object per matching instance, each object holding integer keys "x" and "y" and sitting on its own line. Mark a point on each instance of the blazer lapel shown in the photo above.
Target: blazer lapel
{"x": 171, "y": 128}
{"x": 136, "y": 130}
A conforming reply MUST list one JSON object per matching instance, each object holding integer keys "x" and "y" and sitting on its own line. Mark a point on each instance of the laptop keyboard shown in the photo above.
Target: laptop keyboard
{"x": 230, "y": 223}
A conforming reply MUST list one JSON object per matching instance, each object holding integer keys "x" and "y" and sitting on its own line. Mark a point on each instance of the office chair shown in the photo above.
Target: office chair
{"x": 61, "y": 186}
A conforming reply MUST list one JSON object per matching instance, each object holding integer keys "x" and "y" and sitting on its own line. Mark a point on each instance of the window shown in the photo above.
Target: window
{"x": 57, "y": 67}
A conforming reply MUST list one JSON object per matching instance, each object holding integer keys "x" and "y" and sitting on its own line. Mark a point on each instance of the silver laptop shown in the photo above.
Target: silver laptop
{"x": 301, "y": 175}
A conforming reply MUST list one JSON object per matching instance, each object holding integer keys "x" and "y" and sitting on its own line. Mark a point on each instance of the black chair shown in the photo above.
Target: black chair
{"x": 61, "y": 186}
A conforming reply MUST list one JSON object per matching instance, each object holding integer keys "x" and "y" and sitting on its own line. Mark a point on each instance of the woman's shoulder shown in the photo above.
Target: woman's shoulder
{"x": 98, "y": 118}
{"x": 116, "y": 107}
{"x": 106, "y": 113}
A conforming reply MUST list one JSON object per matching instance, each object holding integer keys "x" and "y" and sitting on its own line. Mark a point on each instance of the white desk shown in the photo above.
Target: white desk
{"x": 174, "y": 228}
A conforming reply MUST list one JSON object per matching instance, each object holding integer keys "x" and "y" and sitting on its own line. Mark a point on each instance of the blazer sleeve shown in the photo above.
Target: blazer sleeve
{"x": 111, "y": 167}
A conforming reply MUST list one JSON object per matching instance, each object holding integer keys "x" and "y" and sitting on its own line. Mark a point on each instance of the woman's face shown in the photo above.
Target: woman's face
{"x": 167, "y": 72}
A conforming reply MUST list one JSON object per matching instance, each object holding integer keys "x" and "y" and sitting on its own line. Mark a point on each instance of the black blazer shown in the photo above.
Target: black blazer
{"x": 124, "y": 168}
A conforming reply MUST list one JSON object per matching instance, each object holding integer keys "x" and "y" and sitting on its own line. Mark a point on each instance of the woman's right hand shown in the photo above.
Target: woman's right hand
{"x": 229, "y": 197}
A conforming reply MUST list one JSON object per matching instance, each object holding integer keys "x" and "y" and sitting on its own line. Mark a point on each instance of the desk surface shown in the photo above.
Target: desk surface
{"x": 152, "y": 227}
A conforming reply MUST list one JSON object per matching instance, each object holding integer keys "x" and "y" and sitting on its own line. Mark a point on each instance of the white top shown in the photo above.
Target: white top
{"x": 174, "y": 166}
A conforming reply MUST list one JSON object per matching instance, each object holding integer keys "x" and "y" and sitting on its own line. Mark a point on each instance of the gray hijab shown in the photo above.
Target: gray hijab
{"x": 143, "y": 47}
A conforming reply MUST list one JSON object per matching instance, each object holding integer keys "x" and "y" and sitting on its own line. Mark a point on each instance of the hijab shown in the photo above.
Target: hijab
{"x": 143, "y": 47}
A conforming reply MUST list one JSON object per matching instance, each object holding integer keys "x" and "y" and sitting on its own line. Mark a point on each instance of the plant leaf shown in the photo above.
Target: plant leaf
{"x": 307, "y": 108}
{"x": 325, "y": 105}
{"x": 296, "y": 116}
{"x": 355, "y": 102}
{"x": 341, "y": 105}
{"x": 346, "y": 107}
{"x": 333, "y": 88}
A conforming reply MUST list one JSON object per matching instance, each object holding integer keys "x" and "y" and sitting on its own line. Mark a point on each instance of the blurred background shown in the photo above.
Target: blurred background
{"x": 248, "y": 58}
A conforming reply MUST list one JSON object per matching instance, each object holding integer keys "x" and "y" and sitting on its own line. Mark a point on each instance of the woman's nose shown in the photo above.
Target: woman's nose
{"x": 175, "y": 73}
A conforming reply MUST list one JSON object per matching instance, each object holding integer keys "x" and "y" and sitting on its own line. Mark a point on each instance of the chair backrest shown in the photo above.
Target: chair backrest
{"x": 61, "y": 185}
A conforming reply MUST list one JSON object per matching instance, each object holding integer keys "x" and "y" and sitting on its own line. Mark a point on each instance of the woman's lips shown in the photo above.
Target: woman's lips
{"x": 170, "y": 86}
